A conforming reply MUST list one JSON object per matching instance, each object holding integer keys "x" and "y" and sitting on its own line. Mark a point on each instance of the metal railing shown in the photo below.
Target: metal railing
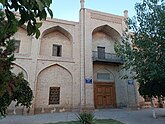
{"x": 107, "y": 57}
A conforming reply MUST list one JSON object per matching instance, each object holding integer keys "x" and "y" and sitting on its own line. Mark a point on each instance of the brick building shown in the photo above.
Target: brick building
{"x": 73, "y": 65}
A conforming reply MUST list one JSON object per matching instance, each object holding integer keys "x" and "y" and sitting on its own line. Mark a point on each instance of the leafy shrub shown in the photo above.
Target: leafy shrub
{"x": 86, "y": 118}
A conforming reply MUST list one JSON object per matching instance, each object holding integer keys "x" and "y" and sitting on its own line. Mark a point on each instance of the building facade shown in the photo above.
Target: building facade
{"x": 73, "y": 65}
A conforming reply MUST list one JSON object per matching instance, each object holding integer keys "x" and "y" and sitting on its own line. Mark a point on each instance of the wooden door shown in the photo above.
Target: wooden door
{"x": 104, "y": 95}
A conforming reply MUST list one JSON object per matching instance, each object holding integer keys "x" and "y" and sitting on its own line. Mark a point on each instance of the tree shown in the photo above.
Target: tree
{"x": 14, "y": 14}
{"x": 144, "y": 48}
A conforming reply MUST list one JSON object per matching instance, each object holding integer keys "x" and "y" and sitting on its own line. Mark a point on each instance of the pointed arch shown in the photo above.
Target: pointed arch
{"x": 54, "y": 65}
{"x": 104, "y": 38}
{"x": 104, "y": 70}
{"x": 56, "y": 38}
{"x": 58, "y": 29}
{"x": 108, "y": 31}
{"x": 18, "y": 69}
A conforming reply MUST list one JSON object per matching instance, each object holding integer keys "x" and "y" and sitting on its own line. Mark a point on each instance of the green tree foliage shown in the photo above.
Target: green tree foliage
{"x": 29, "y": 11}
{"x": 14, "y": 14}
{"x": 144, "y": 49}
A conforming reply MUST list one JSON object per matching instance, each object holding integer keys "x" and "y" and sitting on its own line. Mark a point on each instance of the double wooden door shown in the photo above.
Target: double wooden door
{"x": 104, "y": 95}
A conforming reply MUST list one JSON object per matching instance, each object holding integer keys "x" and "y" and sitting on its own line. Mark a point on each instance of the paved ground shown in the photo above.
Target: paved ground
{"x": 126, "y": 116}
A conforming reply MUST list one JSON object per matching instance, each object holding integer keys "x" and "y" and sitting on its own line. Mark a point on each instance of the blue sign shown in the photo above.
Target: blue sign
{"x": 88, "y": 81}
{"x": 130, "y": 82}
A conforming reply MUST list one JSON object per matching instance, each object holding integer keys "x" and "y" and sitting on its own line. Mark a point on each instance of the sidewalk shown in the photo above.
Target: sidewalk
{"x": 143, "y": 116}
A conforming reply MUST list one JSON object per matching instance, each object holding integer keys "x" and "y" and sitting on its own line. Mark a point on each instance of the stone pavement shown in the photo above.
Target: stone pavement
{"x": 143, "y": 116}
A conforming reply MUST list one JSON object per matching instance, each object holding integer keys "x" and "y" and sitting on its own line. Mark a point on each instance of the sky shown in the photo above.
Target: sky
{"x": 69, "y": 9}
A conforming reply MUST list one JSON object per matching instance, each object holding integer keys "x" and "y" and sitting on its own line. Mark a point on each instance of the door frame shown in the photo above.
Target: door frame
{"x": 105, "y": 84}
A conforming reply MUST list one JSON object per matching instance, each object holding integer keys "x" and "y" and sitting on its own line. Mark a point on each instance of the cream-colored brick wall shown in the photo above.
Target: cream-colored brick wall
{"x": 102, "y": 40}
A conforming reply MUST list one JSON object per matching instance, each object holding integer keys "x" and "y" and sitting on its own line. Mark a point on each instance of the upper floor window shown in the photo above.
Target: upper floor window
{"x": 101, "y": 52}
{"x": 17, "y": 46}
{"x": 57, "y": 50}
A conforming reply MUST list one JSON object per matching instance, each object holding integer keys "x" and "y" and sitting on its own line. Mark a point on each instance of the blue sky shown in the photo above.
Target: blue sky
{"x": 69, "y": 9}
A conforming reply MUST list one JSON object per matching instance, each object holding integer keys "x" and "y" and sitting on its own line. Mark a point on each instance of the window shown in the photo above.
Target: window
{"x": 54, "y": 95}
{"x": 103, "y": 76}
{"x": 101, "y": 52}
{"x": 17, "y": 46}
{"x": 56, "y": 50}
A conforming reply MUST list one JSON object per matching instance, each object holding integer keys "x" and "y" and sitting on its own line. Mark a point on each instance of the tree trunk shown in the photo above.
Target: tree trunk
{"x": 153, "y": 108}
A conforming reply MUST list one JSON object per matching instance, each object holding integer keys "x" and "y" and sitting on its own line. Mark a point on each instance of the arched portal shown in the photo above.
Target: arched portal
{"x": 104, "y": 87}
{"x": 103, "y": 41}
{"x": 54, "y": 87}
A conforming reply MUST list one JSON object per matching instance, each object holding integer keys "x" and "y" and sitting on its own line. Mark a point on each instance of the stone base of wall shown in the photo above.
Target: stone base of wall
{"x": 51, "y": 110}
{"x": 86, "y": 108}
{"x": 42, "y": 110}
{"x": 19, "y": 111}
{"x": 132, "y": 107}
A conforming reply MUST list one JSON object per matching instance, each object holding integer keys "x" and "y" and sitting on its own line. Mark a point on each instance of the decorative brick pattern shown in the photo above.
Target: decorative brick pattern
{"x": 106, "y": 18}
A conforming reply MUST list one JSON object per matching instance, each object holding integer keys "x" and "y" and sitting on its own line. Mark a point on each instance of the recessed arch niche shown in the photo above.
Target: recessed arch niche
{"x": 105, "y": 36}
{"x": 54, "y": 76}
{"x": 58, "y": 36}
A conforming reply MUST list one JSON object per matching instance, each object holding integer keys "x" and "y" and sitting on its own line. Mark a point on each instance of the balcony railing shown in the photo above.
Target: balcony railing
{"x": 107, "y": 57}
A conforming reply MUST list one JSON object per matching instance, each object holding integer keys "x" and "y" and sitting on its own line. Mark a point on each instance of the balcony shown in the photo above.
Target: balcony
{"x": 106, "y": 57}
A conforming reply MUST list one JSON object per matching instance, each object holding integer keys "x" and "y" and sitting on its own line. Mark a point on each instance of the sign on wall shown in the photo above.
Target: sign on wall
{"x": 88, "y": 80}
